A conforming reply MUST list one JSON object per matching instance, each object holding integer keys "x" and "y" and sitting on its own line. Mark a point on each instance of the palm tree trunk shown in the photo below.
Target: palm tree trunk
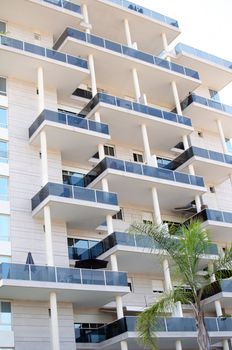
{"x": 202, "y": 336}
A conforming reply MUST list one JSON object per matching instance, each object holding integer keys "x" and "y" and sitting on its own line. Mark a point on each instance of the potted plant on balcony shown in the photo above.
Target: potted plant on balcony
{"x": 184, "y": 246}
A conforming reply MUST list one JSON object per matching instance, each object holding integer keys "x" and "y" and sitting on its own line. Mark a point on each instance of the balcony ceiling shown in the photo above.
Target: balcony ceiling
{"x": 149, "y": 39}
{"x": 38, "y": 16}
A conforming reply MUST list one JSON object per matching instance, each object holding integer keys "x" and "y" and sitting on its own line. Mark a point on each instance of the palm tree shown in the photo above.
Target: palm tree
{"x": 184, "y": 246}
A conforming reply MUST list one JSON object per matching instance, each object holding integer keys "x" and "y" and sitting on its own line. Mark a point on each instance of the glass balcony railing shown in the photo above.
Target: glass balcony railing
{"x": 74, "y": 192}
{"x": 168, "y": 324}
{"x": 61, "y": 275}
{"x": 125, "y": 51}
{"x": 43, "y": 52}
{"x": 212, "y": 215}
{"x": 206, "y": 102}
{"x": 68, "y": 119}
{"x": 141, "y": 169}
{"x": 146, "y": 12}
{"x": 198, "y": 152}
{"x": 134, "y": 106}
{"x": 123, "y": 239}
{"x": 218, "y": 287}
{"x": 65, "y": 4}
{"x": 180, "y": 48}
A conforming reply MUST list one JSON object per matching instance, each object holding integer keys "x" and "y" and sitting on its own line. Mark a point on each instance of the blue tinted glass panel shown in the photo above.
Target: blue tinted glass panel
{"x": 133, "y": 168}
{"x": 3, "y": 188}
{"x": 4, "y": 227}
{"x": 59, "y": 56}
{"x": 38, "y": 50}
{"x": 84, "y": 194}
{"x": 65, "y": 275}
{"x": 113, "y": 46}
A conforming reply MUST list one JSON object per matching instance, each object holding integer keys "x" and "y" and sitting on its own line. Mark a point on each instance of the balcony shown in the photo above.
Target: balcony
{"x": 214, "y": 71}
{"x": 75, "y": 205}
{"x": 47, "y": 16}
{"x": 79, "y": 132}
{"x": 117, "y": 111}
{"x": 157, "y": 73}
{"x": 219, "y": 223}
{"x": 222, "y": 291}
{"x": 130, "y": 248}
{"x": 64, "y": 71}
{"x": 115, "y": 11}
{"x": 215, "y": 167}
{"x": 169, "y": 329}
{"x": 133, "y": 182}
{"x": 204, "y": 113}
{"x": 80, "y": 286}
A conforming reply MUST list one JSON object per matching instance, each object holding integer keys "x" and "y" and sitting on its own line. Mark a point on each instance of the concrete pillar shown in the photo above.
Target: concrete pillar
{"x": 198, "y": 203}
{"x": 109, "y": 220}
{"x": 222, "y": 136}
{"x": 40, "y": 87}
{"x": 178, "y": 345}
{"x": 185, "y": 142}
{"x": 167, "y": 276}
{"x": 44, "y": 157}
{"x": 225, "y": 344}
{"x": 119, "y": 307}
{"x": 156, "y": 207}
{"x": 54, "y": 322}
{"x": 127, "y": 32}
{"x": 48, "y": 236}
{"x": 136, "y": 84}
{"x": 123, "y": 345}
{"x": 92, "y": 75}
{"x": 101, "y": 152}
{"x": 176, "y": 98}
{"x": 86, "y": 18}
{"x": 114, "y": 262}
{"x": 150, "y": 160}
{"x": 165, "y": 46}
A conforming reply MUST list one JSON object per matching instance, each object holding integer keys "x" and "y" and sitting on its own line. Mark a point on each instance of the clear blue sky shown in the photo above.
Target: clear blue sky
{"x": 205, "y": 24}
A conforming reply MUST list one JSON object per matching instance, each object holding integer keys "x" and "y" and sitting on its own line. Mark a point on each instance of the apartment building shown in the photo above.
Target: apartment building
{"x": 103, "y": 123}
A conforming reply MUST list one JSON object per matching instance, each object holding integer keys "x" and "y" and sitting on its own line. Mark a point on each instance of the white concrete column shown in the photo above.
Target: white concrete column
{"x": 114, "y": 262}
{"x": 165, "y": 42}
{"x": 136, "y": 84}
{"x": 124, "y": 345}
{"x": 217, "y": 304}
{"x": 105, "y": 185}
{"x": 55, "y": 339}
{"x": 92, "y": 75}
{"x": 86, "y": 18}
{"x": 167, "y": 276}
{"x": 185, "y": 142}
{"x": 225, "y": 344}
{"x": 150, "y": 160}
{"x": 156, "y": 207}
{"x": 101, "y": 152}
{"x": 44, "y": 157}
{"x": 109, "y": 220}
{"x": 40, "y": 87}
{"x": 176, "y": 98}
{"x": 127, "y": 32}
{"x": 119, "y": 307}
{"x": 222, "y": 136}
{"x": 198, "y": 203}
{"x": 178, "y": 345}
{"x": 144, "y": 97}
{"x": 48, "y": 236}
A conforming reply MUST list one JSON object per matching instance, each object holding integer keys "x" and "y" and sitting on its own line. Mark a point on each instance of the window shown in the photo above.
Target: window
{"x": 68, "y": 112}
{"x": 3, "y": 152}
{"x": 78, "y": 247}
{"x": 2, "y": 85}
{"x": 214, "y": 95}
{"x": 88, "y": 325}
{"x": 2, "y": 27}
{"x": 3, "y": 116}
{"x": 138, "y": 157}
{"x": 5, "y": 315}
{"x": 73, "y": 178}
{"x": 37, "y": 36}
{"x": 228, "y": 145}
{"x": 162, "y": 162}
{"x": 118, "y": 216}
{"x": 4, "y": 227}
{"x": 3, "y": 188}
{"x": 109, "y": 150}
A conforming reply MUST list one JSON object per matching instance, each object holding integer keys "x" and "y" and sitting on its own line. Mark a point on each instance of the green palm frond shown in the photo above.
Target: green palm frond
{"x": 224, "y": 263}
{"x": 150, "y": 321}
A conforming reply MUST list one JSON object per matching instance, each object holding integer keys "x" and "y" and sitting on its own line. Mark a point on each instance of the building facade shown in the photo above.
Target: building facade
{"x": 103, "y": 122}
